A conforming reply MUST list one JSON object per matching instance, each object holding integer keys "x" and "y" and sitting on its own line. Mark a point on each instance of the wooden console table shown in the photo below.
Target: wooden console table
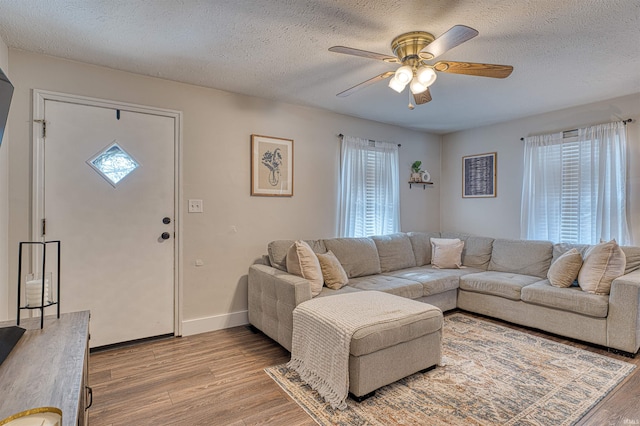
{"x": 48, "y": 368}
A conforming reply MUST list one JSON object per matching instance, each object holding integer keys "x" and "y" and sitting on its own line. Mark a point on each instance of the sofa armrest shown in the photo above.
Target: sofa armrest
{"x": 273, "y": 295}
{"x": 623, "y": 320}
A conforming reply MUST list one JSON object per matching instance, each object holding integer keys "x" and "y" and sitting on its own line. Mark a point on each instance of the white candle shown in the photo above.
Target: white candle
{"x": 33, "y": 291}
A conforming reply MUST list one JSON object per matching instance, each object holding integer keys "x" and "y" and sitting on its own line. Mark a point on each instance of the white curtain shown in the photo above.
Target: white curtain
{"x": 574, "y": 188}
{"x": 369, "y": 188}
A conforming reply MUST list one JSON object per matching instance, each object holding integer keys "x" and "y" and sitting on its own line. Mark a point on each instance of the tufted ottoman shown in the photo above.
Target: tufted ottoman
{"x": 381, "y": 354}
{"x": 386, "y": 337}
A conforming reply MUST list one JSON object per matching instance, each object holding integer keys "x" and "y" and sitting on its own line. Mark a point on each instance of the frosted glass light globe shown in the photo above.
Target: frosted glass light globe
{"x": 426, "y": 76}
{"x": 417, "y": 87}
{"x": 404, "y": 74}
{"x": 397, "y": 85}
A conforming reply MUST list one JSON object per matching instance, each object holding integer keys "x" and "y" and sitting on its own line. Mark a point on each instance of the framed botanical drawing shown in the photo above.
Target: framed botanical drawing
{"x": 479, "y": 175}
{"x": 271, "y": 166}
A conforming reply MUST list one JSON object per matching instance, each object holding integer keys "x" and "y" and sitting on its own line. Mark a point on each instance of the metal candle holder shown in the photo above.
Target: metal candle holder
{"x": 43, "y": 279}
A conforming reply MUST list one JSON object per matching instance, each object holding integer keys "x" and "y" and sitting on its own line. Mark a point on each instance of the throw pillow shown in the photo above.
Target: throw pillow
{"x": 602, "y": 264}
{"x": 302, "y": 261}
{"x": 446, "y": 253}
{"x": 334, "y": 275}
{"x": 564, "y": 271}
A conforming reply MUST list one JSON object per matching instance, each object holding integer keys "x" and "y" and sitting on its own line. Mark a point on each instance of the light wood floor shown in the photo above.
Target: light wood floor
{"x": 217, "y": 378}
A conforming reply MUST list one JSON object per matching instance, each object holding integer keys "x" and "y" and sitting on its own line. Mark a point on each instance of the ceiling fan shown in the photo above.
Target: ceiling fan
{"x": 412, "y": 50}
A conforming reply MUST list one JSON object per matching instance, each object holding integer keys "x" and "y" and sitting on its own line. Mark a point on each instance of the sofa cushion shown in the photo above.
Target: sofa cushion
{"x": 358, "y": 256}
{"x": 395, "y": 252}
{"x": 477, "y": 250}
{"x": 277, "y": 251}
{"x": 632, "y": 254}
{"x": 384, "y": 335}
{"x": 561, "y": 248}
{"x": 421, "y": 243}
{"x": 570, "y": 299}
{"x": 434, "y": 281}
{"x": 564, "y": 270}
{"x": 446, "y": 253}
{"x": 332, "y": 271}
{"x": 302, "y": 261}
{"x": 524, "y": 257}
{"x": 326, "y": 291}
{"x": 387, "y": 284}
{"x": 503, "y": 284}
{"x": 602, "y": 264}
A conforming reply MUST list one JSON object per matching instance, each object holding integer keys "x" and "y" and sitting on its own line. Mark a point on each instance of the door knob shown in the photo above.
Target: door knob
{"x": 165, "y": 235}
{"x": 166, "y": 220}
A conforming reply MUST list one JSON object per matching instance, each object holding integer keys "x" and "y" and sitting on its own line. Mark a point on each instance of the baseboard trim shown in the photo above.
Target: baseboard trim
{"x": 213, "y": 323}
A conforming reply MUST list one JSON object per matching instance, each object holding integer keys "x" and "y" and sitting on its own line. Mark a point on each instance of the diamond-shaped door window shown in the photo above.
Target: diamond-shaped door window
{"x": 113, "y": 163}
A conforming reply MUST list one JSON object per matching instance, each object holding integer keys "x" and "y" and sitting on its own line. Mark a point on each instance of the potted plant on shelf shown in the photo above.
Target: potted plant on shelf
{"x": 416, "y": 175}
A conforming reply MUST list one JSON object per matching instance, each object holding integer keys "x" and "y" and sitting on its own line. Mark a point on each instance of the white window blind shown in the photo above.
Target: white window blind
{"x": 369, "y": 188}
{"x": 574, "y": 186}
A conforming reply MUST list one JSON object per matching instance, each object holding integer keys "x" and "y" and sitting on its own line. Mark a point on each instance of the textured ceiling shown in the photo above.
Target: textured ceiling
{"x": 564, "y": 52}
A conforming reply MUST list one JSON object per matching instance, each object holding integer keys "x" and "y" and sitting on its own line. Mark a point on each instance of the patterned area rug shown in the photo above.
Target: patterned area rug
{"x": 491, "y": 375}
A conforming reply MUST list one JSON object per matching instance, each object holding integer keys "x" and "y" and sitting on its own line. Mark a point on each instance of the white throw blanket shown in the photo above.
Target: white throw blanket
{"x": 322, "y": 332}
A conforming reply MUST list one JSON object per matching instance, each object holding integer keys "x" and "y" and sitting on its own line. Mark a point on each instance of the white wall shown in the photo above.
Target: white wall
{"x": 216, "y": 139}
{"x": 4, "y": 204}
{"x": 500, "y": 217}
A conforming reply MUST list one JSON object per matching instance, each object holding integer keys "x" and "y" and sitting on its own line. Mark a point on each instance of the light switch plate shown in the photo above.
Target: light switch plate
{"x": 195, "y": 206}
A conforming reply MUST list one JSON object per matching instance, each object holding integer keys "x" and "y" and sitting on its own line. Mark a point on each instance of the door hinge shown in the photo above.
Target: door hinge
{"x": 44, "y": 127}
{"x": 44, "y": 227}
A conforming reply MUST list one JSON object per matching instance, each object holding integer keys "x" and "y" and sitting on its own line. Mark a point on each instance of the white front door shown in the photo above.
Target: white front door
{"x": 109, "y": 196}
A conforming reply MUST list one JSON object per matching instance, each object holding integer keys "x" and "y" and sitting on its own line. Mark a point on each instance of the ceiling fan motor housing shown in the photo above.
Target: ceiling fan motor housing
{"x": 407, "y": 46}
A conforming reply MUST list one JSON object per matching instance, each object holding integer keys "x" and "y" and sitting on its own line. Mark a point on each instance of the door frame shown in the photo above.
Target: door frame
{"x": 37, "y": 209}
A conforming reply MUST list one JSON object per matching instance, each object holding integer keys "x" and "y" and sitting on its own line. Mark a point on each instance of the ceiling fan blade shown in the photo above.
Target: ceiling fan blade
{"x": 470, "y": 68}
{"x": 422, "y": 98}
{"x": 364, "y": 84}
{"x": 363, "y": 53}
{"x": 455, "y": 36}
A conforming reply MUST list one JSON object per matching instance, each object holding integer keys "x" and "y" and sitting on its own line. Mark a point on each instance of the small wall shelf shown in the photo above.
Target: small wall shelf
{"x": 424, "y": 184}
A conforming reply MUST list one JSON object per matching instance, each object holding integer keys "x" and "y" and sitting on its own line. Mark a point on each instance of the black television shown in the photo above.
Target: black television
{"x": 6, "y": 92}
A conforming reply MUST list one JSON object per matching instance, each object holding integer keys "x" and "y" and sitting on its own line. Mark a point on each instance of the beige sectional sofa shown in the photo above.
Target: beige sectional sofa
{"x": 501, "y": 278}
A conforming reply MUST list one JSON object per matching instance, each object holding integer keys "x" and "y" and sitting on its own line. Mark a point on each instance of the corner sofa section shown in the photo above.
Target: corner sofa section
{"x": 501, "y": 278}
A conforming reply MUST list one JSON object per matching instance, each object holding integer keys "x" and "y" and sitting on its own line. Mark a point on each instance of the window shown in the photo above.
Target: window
{"x": 370, "y": 188}
{"x": 113, "y": 164}
{"x": 574, "y": 186}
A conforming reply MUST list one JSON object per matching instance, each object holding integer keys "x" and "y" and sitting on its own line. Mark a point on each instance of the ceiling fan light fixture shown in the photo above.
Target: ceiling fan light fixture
{"x": 397, "y": 85}
{"x": 416, "y": 86}
{"x": 426, "y": 76}
{"x": 404, "y": 74}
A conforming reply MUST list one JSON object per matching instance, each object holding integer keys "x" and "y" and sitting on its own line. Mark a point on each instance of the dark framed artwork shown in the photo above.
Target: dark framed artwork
{"x": 271, "y": 166}
{"x": 479, "y": 175}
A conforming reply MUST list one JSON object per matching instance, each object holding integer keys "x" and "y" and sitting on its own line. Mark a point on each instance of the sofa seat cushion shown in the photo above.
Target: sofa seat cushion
{"x": 458, "y": 272}
{"x": 503, "y": 284}
{"x": 434, "y": 281}
{"x": 388, "y": 284}
{"x": 326, "y": 291}
{"x": 571, "y": 299}
{"x": 385, "y": 335}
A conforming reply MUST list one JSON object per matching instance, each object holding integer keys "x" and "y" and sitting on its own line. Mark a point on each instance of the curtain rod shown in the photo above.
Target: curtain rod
{"x": 370, "y": 140}
{"x": 628, "y": 120}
